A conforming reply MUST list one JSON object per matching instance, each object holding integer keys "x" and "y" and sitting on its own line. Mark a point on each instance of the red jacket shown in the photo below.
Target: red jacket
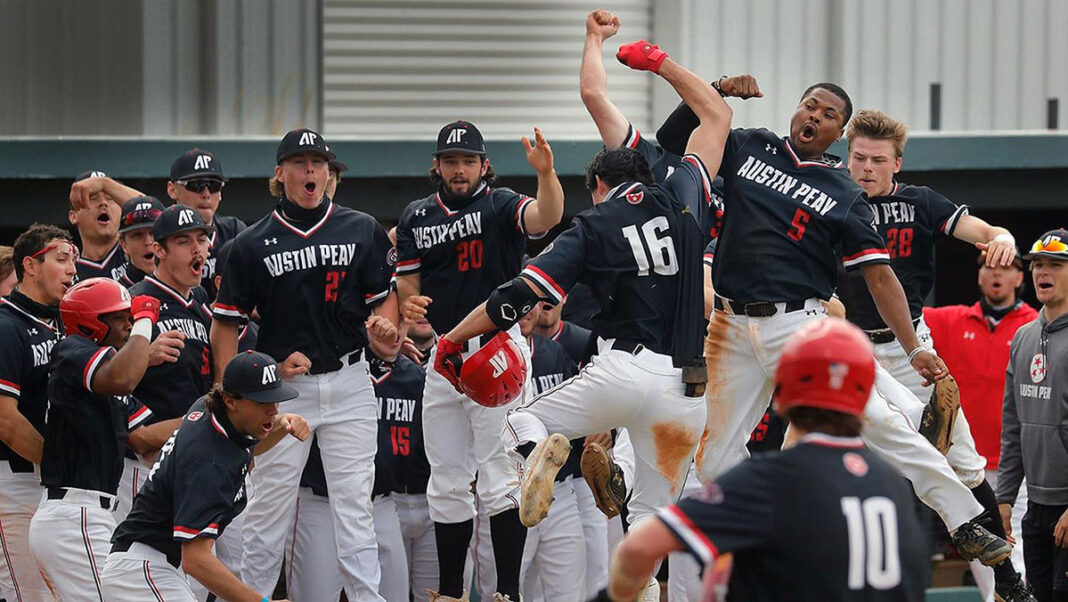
{"x": 976, "y": 357}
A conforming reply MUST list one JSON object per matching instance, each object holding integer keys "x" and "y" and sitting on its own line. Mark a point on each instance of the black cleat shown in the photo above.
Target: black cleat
{"x": 974, "y": 542}
{"x": 1014, "y": 591}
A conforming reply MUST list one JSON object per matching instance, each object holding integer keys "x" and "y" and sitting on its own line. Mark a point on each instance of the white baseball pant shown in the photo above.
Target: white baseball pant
{"x": 313, "y": 572}
{"x": 227, "y": 548}
{"x": 70, "y": 539}
{"x": 684, "y": 572}
{"x": 554, "y": 564}
{"x": 595, "y": 535}
{"x": 20, "y": 494}
{"x": 742, "y": 354}
{"x": 143, "y": 573}
{"x": 134, "y": 474}
{"x": 417, "y": 532}
{"x": 461, "y": 438}
{"x": 1015, "y": 521}
{"x": 342, "y": 409}
{"x": 642, "y": 392}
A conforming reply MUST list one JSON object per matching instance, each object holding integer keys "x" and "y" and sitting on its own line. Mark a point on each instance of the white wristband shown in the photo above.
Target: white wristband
{"x": 915, "y": 352}
{"x": 142, "y": 328}
{"x": 1005, "y": 238}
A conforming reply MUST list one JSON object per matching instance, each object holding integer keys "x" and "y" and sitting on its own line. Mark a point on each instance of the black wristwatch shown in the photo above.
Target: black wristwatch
{"x": 716, "y": 86}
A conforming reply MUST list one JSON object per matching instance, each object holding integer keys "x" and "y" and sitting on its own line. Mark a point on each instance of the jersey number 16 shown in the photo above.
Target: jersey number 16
{"x": 650, "y": 244}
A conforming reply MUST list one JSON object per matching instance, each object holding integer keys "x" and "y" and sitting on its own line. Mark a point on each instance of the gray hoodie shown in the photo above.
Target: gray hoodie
{"x": 1034, "y": 430}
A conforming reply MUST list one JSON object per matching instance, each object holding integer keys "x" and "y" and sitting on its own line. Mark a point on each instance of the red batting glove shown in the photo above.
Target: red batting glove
{"x": 144, "y": 306}
{"x": 642, "y": 55}
{"x": 448, "y": 361}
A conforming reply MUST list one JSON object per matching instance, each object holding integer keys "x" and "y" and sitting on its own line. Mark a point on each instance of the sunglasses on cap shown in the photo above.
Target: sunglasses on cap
{"x": 1050, "y": 244}
{"x": 144, "y": 216}
{"x": 198, "y": 186}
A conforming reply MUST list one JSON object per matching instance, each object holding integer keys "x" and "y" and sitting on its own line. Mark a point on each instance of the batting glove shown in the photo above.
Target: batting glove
{"x": 642, "y": 56}
{"x": 448, "y": 362}
{"x": 144, "y": 306}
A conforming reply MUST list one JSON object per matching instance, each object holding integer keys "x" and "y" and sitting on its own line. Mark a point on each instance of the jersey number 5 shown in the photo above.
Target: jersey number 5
{"x": 873, "y": 551}
{"x": 797, "y": 225}
{"x": 650, "y": 243}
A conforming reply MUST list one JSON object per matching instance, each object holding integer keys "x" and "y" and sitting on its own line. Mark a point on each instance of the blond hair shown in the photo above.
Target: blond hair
{"x": 7, "y": 261}
{"x": 877, "y": 125}
{"x": 275, "y": 187}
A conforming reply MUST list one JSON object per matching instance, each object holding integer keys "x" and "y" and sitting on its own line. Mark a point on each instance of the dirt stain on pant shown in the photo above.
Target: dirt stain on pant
{"x": 674, "y": 446}
{"x": 716, "y": 412}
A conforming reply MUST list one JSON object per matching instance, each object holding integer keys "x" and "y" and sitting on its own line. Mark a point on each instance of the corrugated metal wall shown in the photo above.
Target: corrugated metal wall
{"x": 404, "y": 68}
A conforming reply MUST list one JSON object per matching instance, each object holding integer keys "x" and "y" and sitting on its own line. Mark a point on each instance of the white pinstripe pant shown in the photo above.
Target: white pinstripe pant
{"x": 70, "y": 540}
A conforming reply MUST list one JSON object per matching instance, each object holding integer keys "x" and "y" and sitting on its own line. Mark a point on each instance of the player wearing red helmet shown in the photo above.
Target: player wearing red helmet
{"x": 769, "y": 509}
{"x": 91, "y": 419}
{"x": 493, "y": 375}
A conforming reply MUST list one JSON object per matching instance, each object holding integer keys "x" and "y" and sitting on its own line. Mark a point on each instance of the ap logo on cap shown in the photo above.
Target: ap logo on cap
{"x": 270, "y": 374}
{"x": 456, "y": 136}
{"x": 307, "y": 139}
{"x": 185, "y": 217}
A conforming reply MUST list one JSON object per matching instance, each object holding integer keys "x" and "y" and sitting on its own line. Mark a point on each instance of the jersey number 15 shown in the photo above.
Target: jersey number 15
{"x": 650, "y": 243}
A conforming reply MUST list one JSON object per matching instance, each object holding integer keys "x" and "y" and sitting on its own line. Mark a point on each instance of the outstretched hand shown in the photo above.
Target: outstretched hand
{"x": 540, "y": 155}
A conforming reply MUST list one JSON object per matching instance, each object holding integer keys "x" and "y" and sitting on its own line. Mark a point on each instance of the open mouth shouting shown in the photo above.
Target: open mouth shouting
{"x": 197, "y": 266}
{"x": 808, "y": 132}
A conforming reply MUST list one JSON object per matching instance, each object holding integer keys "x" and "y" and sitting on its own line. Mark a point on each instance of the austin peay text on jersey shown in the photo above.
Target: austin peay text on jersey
{"x": 756, "y": 170}
{"x": 311, "y": 256}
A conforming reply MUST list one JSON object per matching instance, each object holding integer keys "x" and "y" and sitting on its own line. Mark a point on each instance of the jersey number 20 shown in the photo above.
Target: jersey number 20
{"x": 873, "y": 546}
{"x": 650, "y": 243}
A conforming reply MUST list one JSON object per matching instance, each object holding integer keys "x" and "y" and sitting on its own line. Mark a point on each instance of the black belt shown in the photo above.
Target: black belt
{"x": 174, "y": 560}
{"x": 631, "y": 347}
{"x": 885, "y": 335}
{"x": 58, "y": 493}
{"x": 758, "y": 309}
{"x": 333, "y": 365}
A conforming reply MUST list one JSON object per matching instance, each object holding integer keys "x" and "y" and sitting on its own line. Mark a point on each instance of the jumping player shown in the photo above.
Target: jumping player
{"x": 173, "y": 525}
{"x": 91, "y": 419}
{"x": 910, "y": 220}
{"x": 197, "y": 181}
{"x": 135, "y": 238}
{"x": 95, "y": 205}
{"x": 769, "y": 510}
{"x": 30, "y": 327}
{"x": 320, "y": 276}
{"x": 453, "y": 247}
{"x": 788, "y": 207}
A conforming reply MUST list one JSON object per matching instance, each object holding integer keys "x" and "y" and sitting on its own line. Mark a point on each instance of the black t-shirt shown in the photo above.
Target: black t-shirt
{"x": 550, "y": 366}
{"x": 825, "y": 520}
{"x": 783, "y": 220}
{"x": 627, "y": 250}
{"x": 29, "y": 331}
{"x": 170, "y": 388}
{"x": 85, "y": 433}
{"x": 196, "y": 487}
{"x": 462, "y": 251}
{"x": 128, "y": 274}
{"x": 910, "y": 219}
{"x": 111, "y": 266}
{"x": 226, "y": 228}
{"x": 313, "y": 281}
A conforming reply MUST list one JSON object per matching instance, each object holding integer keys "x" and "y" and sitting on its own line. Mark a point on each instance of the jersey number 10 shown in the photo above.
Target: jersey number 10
{"x": 650, "y": 243}
{"x": 873, "y": 551}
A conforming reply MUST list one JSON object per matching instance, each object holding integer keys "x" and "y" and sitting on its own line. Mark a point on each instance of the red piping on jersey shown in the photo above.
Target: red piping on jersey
{"x": 547, "y": 279}
{"x": 167, "y": 289}
{"x": 685, "y": 520}
{"x": 897, "y": 188}
{"x": 194, "y": 532}
{"x": 230, "y": 308}
{"x": 799, "y": 163}
{"x": 103, "y": 262}
{"x": 832, "y": 441}
{"x": 706, "y": 185}
{"x": 520, "y": 211}
{"x": 90, "y": 368}
{"x": 218, "y": 427}
{"x": 559, "y": 331}
{"x": 211, "y": 242}
{"x": 137, "y": 417}
{"x": 298, "y": 231}
{"x": 7, "y": 384}
{"x": 633, "y": 137}
{"x": 863, "y": 253}
{"x": 15, "y": 307}
{"x": 384, "y": 377}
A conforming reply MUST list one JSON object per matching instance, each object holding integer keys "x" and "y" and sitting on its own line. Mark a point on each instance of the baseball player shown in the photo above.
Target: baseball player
{"x": 788, "y": 206}
{"x": 95, "y": 206}
{"x": 30, "y": 327}
{"x": 91, "y": 418}
{"x": 135, "y": 238}
{"x": 197, "y": 181}
{"x": 825, "y": 520}
{"x": 638, "y": 249}
{"x": 8, "y": 278}
{"x": 910, "y": 219}
{"x": 320, "y": 276}
{"x": 197, "y": 488}
{"x": 453, "y": 247}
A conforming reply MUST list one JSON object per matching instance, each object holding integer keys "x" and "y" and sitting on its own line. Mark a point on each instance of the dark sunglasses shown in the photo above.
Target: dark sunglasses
{"x": 198, "y": 186}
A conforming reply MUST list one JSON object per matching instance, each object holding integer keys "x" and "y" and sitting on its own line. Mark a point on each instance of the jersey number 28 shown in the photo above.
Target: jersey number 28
{"x": 651, "y": 244}
{"x": 873, "y": 548}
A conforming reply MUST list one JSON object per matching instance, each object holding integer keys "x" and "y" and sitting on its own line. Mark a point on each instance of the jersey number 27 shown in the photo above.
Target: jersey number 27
{"x": 651, "y": 242}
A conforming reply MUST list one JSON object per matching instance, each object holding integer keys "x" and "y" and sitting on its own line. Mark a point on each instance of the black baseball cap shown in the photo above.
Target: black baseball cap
{"x": 177, "y": 219}
{"x": 460, "y": 137}
{"x": 303, "y": 140}
{"x": 85, "y": 175}
{"x": 254, "y": 375}
{"x": 195, "y": 164}
{"x": 1051, "y": 244}
{"x": 338, "y": 166}
{"x": 139, "y": 212}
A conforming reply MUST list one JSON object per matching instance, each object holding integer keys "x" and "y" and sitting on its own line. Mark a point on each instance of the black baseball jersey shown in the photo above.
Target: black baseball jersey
{"x": 710, "y": 252}
{"x": 462, "y": 251}
{"x": 29, "y": 331}
{"x": 170, "y": 388}
{"x": 85, "y": 432}
{"x": 825, "y": 520}
{"x": 314, "y": 281}
{"x": 909, "y": 219}
{"x": 550, "y": 366}
{"x": 196, "y": 487}
{"x": 108, "y": 267}
{"x": 128, "y": 274}
{"x": 783, "y": 219}
{"x": 633, "y": 252}
{"x": 575, "y": 340}
{"x": 246, "y": 339}
{"x": 226, "y": 228}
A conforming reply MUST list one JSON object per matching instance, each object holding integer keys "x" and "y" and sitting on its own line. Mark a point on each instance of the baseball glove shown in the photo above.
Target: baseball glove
{"x": 940, "y": 414}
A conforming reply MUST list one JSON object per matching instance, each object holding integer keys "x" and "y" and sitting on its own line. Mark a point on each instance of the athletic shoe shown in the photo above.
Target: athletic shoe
{"x": 974, "y": 542}
{"x": 539, "y": 472}
{"x": 605, "y": 479}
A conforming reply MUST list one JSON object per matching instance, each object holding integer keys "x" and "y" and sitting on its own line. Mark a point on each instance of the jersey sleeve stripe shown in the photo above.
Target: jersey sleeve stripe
{"x": 688, "y": 534}
{"x": 371, "y": 299}
{"x": 137, "y": 418}
{"x": 709, "y": 257}
{"x": 706, "y": 181}
{"x": 9, "y": 387}
{"x": 90, "y": 368}
{"x": 521, "y": 212}
{"x": 951, "y": 222}
{"x": 545, "y": 281}
{"x": 228, "y": 311}
{"x": 181, "y": 532}
{"x": 633, "y": 136}
{"x": 866, "y": 256}
{"x": 406, "y": 267}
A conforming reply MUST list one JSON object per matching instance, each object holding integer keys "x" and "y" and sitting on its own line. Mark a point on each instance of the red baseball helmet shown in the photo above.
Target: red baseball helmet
{"x": 84, "y": 303}
{"x": 827, "y": 364}
{"x": 494, "y": 375}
